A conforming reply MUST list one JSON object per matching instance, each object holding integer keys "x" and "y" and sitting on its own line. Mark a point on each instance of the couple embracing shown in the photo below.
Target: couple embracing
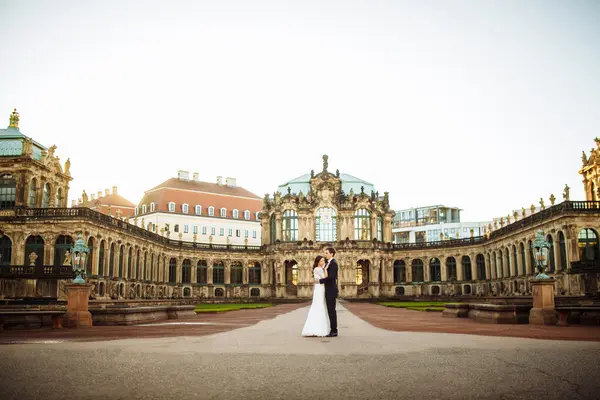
{"x": 322, "y": 318}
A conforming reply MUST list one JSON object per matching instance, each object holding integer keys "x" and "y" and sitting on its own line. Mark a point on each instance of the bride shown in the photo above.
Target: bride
{"x": 317, "y": 321}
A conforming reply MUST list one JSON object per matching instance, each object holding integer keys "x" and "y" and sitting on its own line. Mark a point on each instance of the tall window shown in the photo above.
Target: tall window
{"x": 522, "y": 251}
{"x": 290, "y": 226}
{"x": 273, "y": 229}
{"x": 198, "y": 210}
{"x": 362, "y": 225}
{"x": 236, "y": 214}
{"x": 185, "y": 208}
{"x": 120, "y": 270}
{"x": 213, "y": 230}
{"x": 435, "y": 270}
{"x": 326, "y": 228}
{"x": 204, "y": 230}
{"x": 254, "y": 273}
{"x": 218, "y": 273}
{"x": 101, "y": 258}
{"x": 562, "y": 250}
{"x": 63, "y": 244}
{"x": 144, "y": 209}
{"x": 46, "y": 198}
{"x": 222, "y": 232}
{"x": 588, "y": 245}
{"x": 466, "y": 265}
{"x": 186, "y": 271}
{"x": 236, "y": 274}
{"x": 201, "y": 272}
{"x": 451, "y": 269}
{"x": 253, "y": 234}
{"x": 172, "y": 270}
{"x": 186, "y": 228}
{"x": 417, "y": 270}
{"x": 32, "y": 192}
{"x": 195, "y": 229}
{"x": 152, "y": 207}
{"x": 399, "y": 271}
{"x": 211, "y": 211}
{"x": 380, "y": 229}
{"x": 172, "y": 207}
{"x": 223, "y": 212}
{"x": 480, "y": 260}
{"x": 230, "y": 232}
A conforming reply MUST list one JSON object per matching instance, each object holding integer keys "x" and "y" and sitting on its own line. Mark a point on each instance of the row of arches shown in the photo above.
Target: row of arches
{"x": 439, "y": 274}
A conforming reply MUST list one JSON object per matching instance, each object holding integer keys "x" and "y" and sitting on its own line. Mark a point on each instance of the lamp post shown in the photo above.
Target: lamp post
{"x": 542, "y": 249}
{"x": 78, "y": 315}
{"x": 542, "y": 285}
{"x": 79, "y": 258}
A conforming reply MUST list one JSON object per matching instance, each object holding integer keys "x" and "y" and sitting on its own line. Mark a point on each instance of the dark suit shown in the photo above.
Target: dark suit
{"x": 331, "y": 292}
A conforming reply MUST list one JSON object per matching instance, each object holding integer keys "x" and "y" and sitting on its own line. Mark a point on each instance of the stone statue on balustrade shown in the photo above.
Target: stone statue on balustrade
{"x": 32, "y": 259}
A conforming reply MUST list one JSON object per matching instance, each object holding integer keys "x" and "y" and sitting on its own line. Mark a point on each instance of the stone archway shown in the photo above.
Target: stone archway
{"x": 291, "y": 277}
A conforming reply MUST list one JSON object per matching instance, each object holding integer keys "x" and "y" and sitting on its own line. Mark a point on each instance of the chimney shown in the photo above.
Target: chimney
{"x": 196, "y": 177}
{"x": 93, "y": 196}
{"x": 219, "y": 180}
{"x": 230, "y": 182}
{"x": 183, "y": 175}
{"x": 114, "y": 190}
{"x": 99, "y": 194}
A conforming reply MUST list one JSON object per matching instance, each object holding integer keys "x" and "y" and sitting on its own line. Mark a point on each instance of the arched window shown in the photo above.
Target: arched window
{"x": 5, "y": 250}
{"x": 173, "y": 270}
{"x": 466, "y": 265}
{"x": 451, "y": 268}
{"x": 523, "y": 259}
{"x": 144, "y": 209}
{"x": 257, "y": 216}
{"x": 223, "y": 212}
{"x": 254, "y": 277}
{"x": 480, "y": 260}
{"x": 152, "y": 207}
{"x": 32, "y": 193}
{"x": 326, "y": 228}
{"x": 551, "y": 260}
{"x": 399, "y": 271}
{"x": 202, "y": 272}
{"x": 138, "y": 270}
{"x": 63, "y": 244}
{"x": 111, "y": 260}
{"x": 185, "y": 208}
{"x": 380, "y": 229}
{"x": 562, "y": 251}
{"x": 8, "y": 191}
{"x": 129, "y": 257}
{"x": 211, "y": 211}
{"x": 417, "y": 270}
{"x": 218, "y": 273}
{"x": 58, "y": 200}
{"x": 435, "y": 270}
{"x": 246, "y": 214}
{"x": 507, "y": 253}
{"x": 531, "y": 258}
{"x": 90, "y": 258}
{"x": 273, "y": 229}
{"x": 198, "y": 210}
{"x": 495, "y": 265}
{"x": 101, "y": 258}
{"x": 588, "y": 245}
{"x": 120, "y": 269}
{"x": 186, "y": 271}
{"x": 362, "y": 225}
{"x": 152, "y": 269}
{"x": 289, "y": 223}
{"x": 236, "y": 214}
{"x": 46, "y": 198}
{"x": 171, "y": 207}
{"x": 515, "y": 258}
{"x": 34, "y": 244}
{"x": 236, "y": 274}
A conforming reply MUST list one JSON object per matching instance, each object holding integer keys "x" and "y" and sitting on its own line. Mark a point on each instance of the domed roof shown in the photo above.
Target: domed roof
{"x": 302, "y": 183}
{"x": 12, "y": 140}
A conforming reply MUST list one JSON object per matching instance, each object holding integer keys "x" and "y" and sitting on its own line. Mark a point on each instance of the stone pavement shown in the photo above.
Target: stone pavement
{"x": 270, "y": 360}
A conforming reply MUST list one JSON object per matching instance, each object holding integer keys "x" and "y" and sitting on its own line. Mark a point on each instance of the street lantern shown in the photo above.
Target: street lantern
{"x": 541, "y": 252}
{"x": 79, "y": 254}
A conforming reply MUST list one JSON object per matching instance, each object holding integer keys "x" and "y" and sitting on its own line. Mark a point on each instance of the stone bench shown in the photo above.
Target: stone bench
{"x": 500, "y": 313}
{"x": 585, "y": 315}
{"x": 139, "y": 315}
{"x": 30, "y": 318}
{"x": 456, "y": 310}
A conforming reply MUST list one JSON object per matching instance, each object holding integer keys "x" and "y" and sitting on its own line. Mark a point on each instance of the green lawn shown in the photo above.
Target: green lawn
{"x": 212, "y": 308}
{"x": 416, "y": 305}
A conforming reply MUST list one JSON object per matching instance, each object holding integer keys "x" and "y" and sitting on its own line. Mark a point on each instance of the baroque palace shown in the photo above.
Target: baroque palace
{"x": 131, "y": 261}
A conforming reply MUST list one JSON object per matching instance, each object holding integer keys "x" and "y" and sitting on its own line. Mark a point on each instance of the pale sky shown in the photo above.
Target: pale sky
{"x": 484, "y": 105}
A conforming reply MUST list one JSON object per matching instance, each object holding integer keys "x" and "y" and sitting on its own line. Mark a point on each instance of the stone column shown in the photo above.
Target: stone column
{"x": 511, "y": 262}
{"x": 443, "y": 268}
{"x": 543, "y": 312}
{"x": 460, "y": 273}
{"x": 408, "y": 264}
{"x": 474, "y": 266}
{"x": 556, "y": 250}
{"x": 387, "y": 228}
{"x": 426, "y": 274}
{"x": 528, "y": 266}
{"x": 209, "y": 272}
{"x": 278, "y": 226}
{"x": 227, "y": 265}
{"x": 179, "y": 265}
{"x": 78, "y": 315}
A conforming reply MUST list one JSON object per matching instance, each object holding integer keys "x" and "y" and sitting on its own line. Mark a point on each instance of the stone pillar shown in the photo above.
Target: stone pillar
{"x": 78, "y": 315}
{"x": 474, "y": 266}
{"x": 460, "y": 273}
{"x": 556, "y": 250}
{"x": 277, "y": 226}
{"x": 511, "y": 262}
{"x": 227, "y": 265}
{"x": 443, "y": 269}
{"x": 408, "y": 264}
{"x": 543, "y": 312}
{"x": 209, "y": 272}
{"x": 193, "y": 266}
{"x": 426, "y": 275}
{"x": 179, "y": 265}
{"x": 528, "y": 266}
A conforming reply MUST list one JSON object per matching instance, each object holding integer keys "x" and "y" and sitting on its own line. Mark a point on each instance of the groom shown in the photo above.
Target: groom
{"x": 331, "y": 289}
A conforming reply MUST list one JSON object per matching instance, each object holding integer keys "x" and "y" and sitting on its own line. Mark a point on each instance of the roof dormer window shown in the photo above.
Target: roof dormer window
{"x": 236, "y": 214}
{"x": 223, "y": 212}
{"x": 185, "y": 208}
{"x": 257, "y": 215}
{"x": 198, "y": 210}
{"x": 171, "y": 207}
{"x": 211, "y": 211}
{"x": 152, "y": 207}
{"x": 247, "y": 214}
{"x": 144, "y": 209}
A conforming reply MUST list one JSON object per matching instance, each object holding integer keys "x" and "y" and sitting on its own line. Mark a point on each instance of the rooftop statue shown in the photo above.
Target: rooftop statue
{"x": 14, "y": 119}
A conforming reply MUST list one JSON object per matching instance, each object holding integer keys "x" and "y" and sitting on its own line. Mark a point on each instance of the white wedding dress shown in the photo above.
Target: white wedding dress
{"x": 317, "y": 321}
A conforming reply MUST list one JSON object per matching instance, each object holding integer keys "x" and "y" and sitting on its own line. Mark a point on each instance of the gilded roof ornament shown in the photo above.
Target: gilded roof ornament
{"x": 14, "y": 119}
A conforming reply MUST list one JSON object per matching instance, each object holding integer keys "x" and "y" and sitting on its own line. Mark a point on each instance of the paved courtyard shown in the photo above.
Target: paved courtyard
{"x": 270, "y": 360}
